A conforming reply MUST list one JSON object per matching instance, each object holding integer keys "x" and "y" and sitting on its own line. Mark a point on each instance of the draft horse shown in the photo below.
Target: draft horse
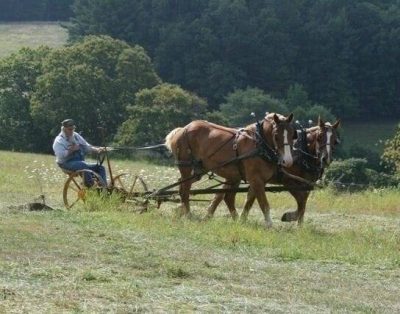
{"x": 251, "y": 154}
{"x": 312, "y": 153}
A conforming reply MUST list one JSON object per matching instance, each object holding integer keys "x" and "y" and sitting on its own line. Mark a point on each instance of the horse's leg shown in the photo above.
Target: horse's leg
{"x": 250, "y": 198}
{"x": 218, "y": 197}
{"x": 259, "y": 191}
{"x": 301, "y": 198}
{"x": 184, "y": 190}
{"x": 230, "y": 200}
{"x": 302, "y": 209}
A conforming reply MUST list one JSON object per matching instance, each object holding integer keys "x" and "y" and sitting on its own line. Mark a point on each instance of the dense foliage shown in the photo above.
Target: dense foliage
{"x": 18, "y": 75}
{"x": 35, "y": 10}
{"x": 392, "y": 151}
{"x": 239, "y": 104}
{"x": 92, "y": 81}
{"x": 353, "y": 174}
{"x": 158, "y": 111}
{"x": 345, "y": 54}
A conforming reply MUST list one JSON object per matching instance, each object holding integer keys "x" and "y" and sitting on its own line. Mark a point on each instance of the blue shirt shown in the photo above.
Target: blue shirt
{"x": 62, "y": 143}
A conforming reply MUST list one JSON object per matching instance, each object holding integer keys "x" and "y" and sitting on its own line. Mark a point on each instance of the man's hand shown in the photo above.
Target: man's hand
{"x": 73, "y": 148}
{"x": 100, "y": 149}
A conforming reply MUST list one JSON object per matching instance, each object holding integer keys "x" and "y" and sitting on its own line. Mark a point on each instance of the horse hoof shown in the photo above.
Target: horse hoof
{"x": 285, "y": 217}
{"x": 207, "y": 217}
{"x": 268, "y": 225}
{"x": 289, "y": 216}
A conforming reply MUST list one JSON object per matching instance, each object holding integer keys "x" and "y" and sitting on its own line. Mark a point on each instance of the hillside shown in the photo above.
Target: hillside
{"x": 14, "y": 36}
{"x": 103, "y": 257}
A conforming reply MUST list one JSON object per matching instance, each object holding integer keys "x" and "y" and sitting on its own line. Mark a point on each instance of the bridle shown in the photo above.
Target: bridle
{"x": 312, "y": 160}
{"x": 275, "y": 134}
{"x": 328, "y": 144}
{"x": 268, "y": 152}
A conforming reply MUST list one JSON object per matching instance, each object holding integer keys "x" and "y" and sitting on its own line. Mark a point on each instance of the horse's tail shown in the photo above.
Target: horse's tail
{"x": 171, "y": 140}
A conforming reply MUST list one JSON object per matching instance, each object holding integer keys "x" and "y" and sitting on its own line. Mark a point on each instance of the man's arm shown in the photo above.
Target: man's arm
{"x": 88, "y": 147}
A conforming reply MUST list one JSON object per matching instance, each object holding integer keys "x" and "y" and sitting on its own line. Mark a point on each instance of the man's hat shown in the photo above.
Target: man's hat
{"x": 67, "y": 123}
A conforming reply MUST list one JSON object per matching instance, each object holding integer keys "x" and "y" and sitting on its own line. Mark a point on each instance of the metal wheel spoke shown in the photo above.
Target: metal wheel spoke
{"x": 74, "y": 189}
{"x": 76, "y": 201}
{"x": 76, "y": 183}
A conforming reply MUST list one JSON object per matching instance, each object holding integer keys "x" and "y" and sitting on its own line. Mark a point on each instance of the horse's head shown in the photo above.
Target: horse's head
{"x": 321, "y": 141}
{"x": 282, "y": 135}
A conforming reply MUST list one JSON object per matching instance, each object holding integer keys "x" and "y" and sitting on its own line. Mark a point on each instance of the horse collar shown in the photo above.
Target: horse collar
{"x": 264, "y": 150}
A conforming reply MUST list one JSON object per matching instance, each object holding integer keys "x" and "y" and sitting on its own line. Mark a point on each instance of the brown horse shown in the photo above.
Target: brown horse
{"x": 251, "y": 154}
{"x": 312, "y": 155}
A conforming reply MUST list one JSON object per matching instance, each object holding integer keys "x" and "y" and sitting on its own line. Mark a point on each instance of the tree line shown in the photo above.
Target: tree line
{"x": 101, "y": 81}
{"x": 308, "y": 57}
{"x": 104, "y": 82}
{"x": 35, "y": 10}
{"x": 346, "y": 54}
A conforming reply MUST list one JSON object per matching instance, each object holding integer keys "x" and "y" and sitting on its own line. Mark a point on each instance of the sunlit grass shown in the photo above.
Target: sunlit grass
{"x": 102, "y": 256}
{"x": 24, "y": 176}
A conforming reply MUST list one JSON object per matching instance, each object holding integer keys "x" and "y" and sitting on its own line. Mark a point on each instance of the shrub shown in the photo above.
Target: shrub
{"x": 372, "y": 157}
{"x": 157, "y": 111}
{"x": 391, "y": 153}
{"x": 241, "y": 103}
{"x": 353, "y": 174}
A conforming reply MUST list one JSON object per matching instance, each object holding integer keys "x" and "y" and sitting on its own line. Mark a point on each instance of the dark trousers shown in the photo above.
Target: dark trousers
{"x": 74, "y": 165}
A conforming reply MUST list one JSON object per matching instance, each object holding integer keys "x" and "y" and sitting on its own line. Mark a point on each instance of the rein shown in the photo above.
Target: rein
{"x": 135, "y": 148}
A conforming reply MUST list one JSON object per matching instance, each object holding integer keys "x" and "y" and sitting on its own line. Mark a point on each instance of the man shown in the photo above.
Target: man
{"x": 70, "y": 149}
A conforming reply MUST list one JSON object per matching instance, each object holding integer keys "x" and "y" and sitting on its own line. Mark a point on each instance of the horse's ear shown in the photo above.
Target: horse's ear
{"x": 276, "y": 118}
{"x": 336, "y": 124}
{"x": 289, "y": 118}
{"x": 321, "y": 123}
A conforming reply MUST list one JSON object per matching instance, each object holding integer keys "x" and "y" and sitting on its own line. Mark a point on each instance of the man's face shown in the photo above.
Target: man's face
{"x": 69, "y": 130}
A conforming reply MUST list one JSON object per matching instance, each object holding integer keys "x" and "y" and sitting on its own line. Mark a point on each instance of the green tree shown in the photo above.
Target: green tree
{"x": 297, "y": 97}
{"x": 344, "y": 53}
{"x": 157, "y": 111}
{"x": 241, "y": 103}
{"x": 391, "y": 153}
{"x": 93, "y": 82}
{"x": 298, "y": 102}
{"x": 18, "y": 74}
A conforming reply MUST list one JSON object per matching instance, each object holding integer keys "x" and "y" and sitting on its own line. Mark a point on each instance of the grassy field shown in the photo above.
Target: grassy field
{"x": 105, "y": 257}
{"x": 14, "y": 36}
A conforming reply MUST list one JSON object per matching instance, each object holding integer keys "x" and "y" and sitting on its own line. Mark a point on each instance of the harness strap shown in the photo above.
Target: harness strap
{"x": 266, "y": 152}
{"x": 307, "y": 163}
{"x": 262, "y": 150}
{"x": 235, "y": 148}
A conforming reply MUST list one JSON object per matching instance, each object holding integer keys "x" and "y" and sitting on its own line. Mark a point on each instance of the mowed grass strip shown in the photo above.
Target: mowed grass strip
{"x": 102, "y": 256}
{"x": 118, "y": 261}
{"x": 102, "y": 261}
